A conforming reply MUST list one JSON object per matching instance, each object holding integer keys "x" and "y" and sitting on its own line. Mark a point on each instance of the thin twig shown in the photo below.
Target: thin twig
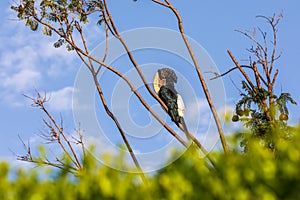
{"x": 77, "y": 162}
{"x": 265, "y": 106}
{"x": 232, "y": 69}
{"x": 200, "y": 75}
{"x": 160, "y": 3}
{"x": 39, "y": 101}
{"x": 134, "y": 90}
{"x": 256, "y": 75}
{"x": 72, "y": 43}
{"x": 106, "y": 49}
{"x": 242, "y": 70}
{"x": 253, "y": 39}
{"x": 109, "y": 113}
{"x": 275, "y": 76}
{"x": 110, "y": 22}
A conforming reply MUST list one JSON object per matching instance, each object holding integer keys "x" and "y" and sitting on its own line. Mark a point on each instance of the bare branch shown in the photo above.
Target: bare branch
{"x": 29, "y": 158}
{"x": 241, "y": 70}
{"x": 72, "y": 43}
{"x": 275, "y": 76}
{"x": 39, "y": 101}
{"x": 252, "y": 39}
{"x": 113, "y": 117}
{"x": 110, "y": 26}
{"x": 256, "y": 75}
{"x": 161, "y": 3}
{"x": 200, "y": 75}
{"x": 230, "y": 70}
{"x": 109, "y": 113}
{"x": 118, "y": 36}
{"x": 106, "y": 49}
{"x": 223, "y": 74}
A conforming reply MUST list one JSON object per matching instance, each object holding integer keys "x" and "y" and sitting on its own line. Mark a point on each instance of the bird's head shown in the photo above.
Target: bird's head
{"x": 163, "y": 77}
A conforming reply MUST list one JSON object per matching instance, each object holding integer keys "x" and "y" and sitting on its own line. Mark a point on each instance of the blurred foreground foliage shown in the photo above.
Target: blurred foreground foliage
{"x": 260, "y": 173}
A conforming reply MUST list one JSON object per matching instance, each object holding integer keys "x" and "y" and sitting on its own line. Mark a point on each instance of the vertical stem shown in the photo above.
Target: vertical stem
{"x": 241, "y": 70}
{"x": 90, "y": 66}
{"x": 135, "y": 64}
{"x": 119, "y": 128}
{"x": 264, "y": 103}
{"x": 201, "y": 78}
{"x": 109, "y": 113}
{"x": 132, "y": 60}
{"x": 133, "y": 89}
{"x": 256, "y": 74}
{"x": 76, "y": 161}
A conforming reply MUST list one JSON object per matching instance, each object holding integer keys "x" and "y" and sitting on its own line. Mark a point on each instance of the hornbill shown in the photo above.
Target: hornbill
{"x": 163, "y": 85}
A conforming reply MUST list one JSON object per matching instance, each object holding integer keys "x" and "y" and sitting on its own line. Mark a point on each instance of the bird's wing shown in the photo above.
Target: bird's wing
{"x": 169, "y": 98}
{"x": 180, "y": 106}
{"x": 181, "y": 109}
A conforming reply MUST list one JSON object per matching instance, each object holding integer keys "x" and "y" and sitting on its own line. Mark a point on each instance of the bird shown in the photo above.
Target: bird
{"x": 164, "y": 85}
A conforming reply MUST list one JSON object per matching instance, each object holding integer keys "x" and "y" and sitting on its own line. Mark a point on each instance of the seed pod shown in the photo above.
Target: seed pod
{"x": 239, "y": 112}
{"x": 20, "y": 8}
{"x": 235, "y": 118}
{"x": 283, "y": 117}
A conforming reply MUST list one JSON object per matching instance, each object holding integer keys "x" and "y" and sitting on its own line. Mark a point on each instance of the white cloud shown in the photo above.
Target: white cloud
{"x": 59, "y": 60}
{"x": 18, "y": 73}
{"x": 198, "y": 115}
{"x": 25, "y": 78}
{"x": 61, "y": 99}
{"x": 27, "y": 59}
{"x": 196, "y": 107}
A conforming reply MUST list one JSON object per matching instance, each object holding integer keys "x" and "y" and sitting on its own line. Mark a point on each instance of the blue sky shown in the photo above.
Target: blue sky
{"x": 29, "y": 61}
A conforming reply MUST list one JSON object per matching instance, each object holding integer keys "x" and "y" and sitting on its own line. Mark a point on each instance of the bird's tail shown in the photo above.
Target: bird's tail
{"x": 183, "y": 127}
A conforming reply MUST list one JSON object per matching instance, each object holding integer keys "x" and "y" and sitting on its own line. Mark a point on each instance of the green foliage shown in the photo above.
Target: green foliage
{"x": 59, "y": 43}
{"x": 258, "y": 174}
{"x": 83, "y": 18}
{"x": 33, "y": 24}
{"x": 282, "y": 100}
{"x": 47, "y": 31}
{"x": 58, "y": 16}
{"x": 259, "y": 117}
{"x": 260, "y": 109}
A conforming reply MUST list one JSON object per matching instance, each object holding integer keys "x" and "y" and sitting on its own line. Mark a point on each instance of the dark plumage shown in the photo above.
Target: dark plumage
{"x": 169, "y": 97}
{"x": 164, "y": 85}
{"x": 169, "y": 75}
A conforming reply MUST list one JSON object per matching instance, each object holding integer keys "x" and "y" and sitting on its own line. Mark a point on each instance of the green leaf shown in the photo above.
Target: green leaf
{"x": 59, "y": 43}
{"x": 34, "y": 25}
{"x": 47, "y": 31}
{"x": 83, "y": 18}
{"x": 69, "y": 47}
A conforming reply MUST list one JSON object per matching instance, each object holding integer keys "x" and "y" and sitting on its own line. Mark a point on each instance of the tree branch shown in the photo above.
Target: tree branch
{"x": 114, "y": 31}
{"x": 200, "y": 75}
{"x": 241, "y": 70}
{"x": 118, "y": 36}
{"x": 109, "y": 113}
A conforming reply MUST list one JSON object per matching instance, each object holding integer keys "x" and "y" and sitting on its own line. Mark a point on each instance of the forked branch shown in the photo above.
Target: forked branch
{"x": 168, "y": 5}
{"x": 57, "y": 135}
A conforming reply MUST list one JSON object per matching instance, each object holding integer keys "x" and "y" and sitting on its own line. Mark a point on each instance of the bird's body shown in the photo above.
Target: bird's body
{"x": 164, "y": 86}
{"x": 169, "y": 97}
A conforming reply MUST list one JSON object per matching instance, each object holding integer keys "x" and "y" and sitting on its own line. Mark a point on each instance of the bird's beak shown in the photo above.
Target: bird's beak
{"x": 156, "y": 83}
